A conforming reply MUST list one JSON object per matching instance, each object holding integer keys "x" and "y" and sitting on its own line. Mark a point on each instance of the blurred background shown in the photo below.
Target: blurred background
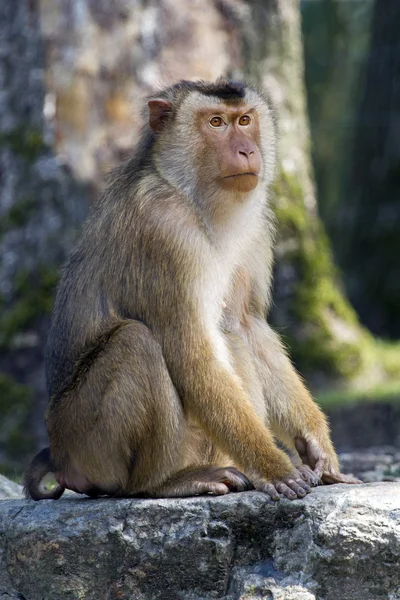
{"x": 73, "y": 77}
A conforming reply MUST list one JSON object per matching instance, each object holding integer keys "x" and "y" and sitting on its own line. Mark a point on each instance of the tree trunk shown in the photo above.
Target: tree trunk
{"x": 95, "y": 76}
{"x": 310, "y": 308}
{"x": 40, "y": 210}
{"x": 336, "y": 38}
{"x": 371, "y": 248}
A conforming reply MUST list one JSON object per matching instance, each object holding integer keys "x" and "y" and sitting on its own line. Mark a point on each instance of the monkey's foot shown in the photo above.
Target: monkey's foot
{"x": 292, "y": 487}
{"x": 335, "y": 477}
{"x": 207, "y": 480}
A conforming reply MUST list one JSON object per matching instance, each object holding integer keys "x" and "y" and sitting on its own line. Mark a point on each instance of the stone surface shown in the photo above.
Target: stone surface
{"x": 9, "y": 489}
{"x": 365, "y": 424}
{"x": 340, "y": 542}
{"x": 374, "y": 464}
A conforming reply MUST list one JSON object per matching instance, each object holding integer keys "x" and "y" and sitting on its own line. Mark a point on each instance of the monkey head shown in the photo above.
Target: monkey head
{"x": 213, "y": 136}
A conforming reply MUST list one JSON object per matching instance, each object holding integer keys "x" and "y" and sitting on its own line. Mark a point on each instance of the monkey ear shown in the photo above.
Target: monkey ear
{"x": 158, "y": 111}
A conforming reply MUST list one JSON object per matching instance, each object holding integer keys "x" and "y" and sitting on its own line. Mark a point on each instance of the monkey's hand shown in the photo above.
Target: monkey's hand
{"x": 319, "y": 465}
{"x": 292, "y": 486}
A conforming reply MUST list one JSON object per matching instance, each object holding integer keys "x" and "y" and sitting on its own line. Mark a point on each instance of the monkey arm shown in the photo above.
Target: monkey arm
{"x": 289, "y": 410}
{"x": 212, "y": 393}
{"x": 293, "y": 415}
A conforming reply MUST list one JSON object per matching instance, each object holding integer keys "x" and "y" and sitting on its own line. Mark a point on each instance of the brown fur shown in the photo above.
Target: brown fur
{"x": 162, "y": 371}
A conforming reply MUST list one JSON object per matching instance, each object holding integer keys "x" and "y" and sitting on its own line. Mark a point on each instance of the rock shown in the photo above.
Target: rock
{"x": 364, "y": 424}
{"x": 373, "y": 464}
{"x": 339, "y": 542}
{"x": 9, "y": 489}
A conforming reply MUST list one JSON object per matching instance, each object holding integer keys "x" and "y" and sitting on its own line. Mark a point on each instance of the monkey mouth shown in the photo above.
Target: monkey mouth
{"x": 240, "y": 182}
{"x": 241, "y": 175}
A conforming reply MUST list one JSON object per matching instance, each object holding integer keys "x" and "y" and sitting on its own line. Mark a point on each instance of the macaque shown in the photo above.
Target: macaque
{"x": 163, "y": 375}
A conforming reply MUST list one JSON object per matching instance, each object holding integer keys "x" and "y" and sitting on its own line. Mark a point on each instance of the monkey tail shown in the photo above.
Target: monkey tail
{"x": 39, "y": 480}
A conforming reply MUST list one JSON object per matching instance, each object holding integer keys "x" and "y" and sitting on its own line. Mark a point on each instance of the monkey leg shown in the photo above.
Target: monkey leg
{"x": 119, "y": 428}
{"x": 292, "y": 414}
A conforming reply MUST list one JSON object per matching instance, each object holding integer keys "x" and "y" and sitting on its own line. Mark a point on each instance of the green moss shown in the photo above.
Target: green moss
{"x": 33, "y": 298}
{"x": 15, "y": 407}
{"x": 318, "y": 302}
{"x": 26, "y": 142}
{"x": 18, "y": 444}
{"x": 20, "y": 213}
{"x": 392, "y": 472}
{"x": 388, "y": 392}
{"x": 389, "y": 355}
{"x": 13, "y": 394}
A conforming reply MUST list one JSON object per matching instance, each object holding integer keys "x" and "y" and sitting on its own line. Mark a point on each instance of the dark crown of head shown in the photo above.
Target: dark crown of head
{"x": 222, "y": 88}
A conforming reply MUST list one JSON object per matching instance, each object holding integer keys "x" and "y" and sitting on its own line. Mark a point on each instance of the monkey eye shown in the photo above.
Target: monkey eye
{"x": 216, "y": 122}
{"x": 244, "y": 120}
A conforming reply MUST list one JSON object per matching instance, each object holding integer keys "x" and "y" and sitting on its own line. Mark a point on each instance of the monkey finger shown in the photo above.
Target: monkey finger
{"x": 308, "y": 475}
{"x": 319, "y": 467}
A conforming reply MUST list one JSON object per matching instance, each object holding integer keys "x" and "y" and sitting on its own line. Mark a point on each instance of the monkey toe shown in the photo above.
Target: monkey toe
{"x": 289, "y": 487}
{"x": 286, "y": 491}
{"x": 271, "y": 490}
{"x": 298, "y": 486}
{"x": 334, "y": 477}
{"x": 293, "y": 488}
{"x": 213, "y": 488}
{"x": 235, "y": 480}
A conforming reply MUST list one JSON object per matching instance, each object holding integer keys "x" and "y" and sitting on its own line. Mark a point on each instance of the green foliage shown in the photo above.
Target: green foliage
{"x": 26, "y": 142}
{"x": 327, "y": 336}
{"x": 389, "y": 355}
{"x": 387, "y": 392}
{"x": 33, "y": 299}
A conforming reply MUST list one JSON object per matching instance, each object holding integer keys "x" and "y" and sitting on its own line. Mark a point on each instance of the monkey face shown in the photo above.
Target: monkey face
{"x": 231, "y": 136}
{"x": 209, "y": 141}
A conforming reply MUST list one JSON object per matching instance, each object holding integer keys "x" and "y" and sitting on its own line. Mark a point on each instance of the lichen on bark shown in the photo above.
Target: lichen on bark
{"x": 319, "y": 325}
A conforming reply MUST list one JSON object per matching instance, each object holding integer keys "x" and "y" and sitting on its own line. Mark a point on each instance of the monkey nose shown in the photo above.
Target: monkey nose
{"x": 246, "y": 153}
{"x": 249, "y": 160}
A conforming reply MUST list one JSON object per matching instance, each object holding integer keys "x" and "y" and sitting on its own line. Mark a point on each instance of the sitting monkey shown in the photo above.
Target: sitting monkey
{"x": 164, "y": 377}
